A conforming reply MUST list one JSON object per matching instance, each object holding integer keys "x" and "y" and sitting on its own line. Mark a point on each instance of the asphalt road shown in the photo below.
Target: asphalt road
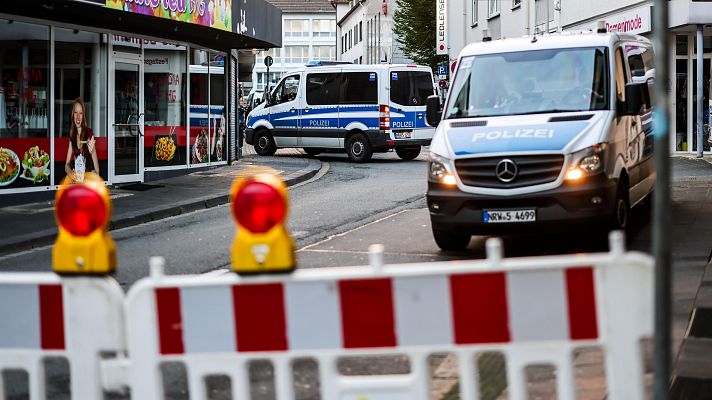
{"x": 334, "y": 218}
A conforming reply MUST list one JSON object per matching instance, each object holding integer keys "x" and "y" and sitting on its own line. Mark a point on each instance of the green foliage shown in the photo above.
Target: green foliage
{"x": 414, "y": 25}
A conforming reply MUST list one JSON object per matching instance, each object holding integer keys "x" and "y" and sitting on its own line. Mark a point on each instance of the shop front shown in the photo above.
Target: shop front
{"x": 153, "y": 81}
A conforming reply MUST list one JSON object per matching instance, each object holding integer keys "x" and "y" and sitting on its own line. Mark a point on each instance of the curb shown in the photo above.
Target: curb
{"x": 47, "y": 237}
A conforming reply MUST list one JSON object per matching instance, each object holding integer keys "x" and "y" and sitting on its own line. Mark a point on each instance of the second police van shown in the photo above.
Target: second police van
{"x": 540, "y": 134}
{"x": 351, "y": 107}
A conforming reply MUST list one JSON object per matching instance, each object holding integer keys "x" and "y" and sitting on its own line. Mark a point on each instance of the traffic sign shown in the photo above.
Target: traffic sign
{"x": 442, "y": 70}
{"x": 442, "y": 83}
{"x": 269, "y": 61}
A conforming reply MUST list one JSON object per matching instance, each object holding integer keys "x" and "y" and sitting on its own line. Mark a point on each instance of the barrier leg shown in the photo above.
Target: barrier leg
{"x": 469, "y": 387}
{"x": 283, "y": 378}
{"x": 516, "y": 377}
{"x": 420, "y": 374}
{"x": 240, "y": 381}
{"x": 36, "y": 380}
{"x": 328, "y": 377}
{"x": 565, "y": 378}
{"x": 196, "y": 384}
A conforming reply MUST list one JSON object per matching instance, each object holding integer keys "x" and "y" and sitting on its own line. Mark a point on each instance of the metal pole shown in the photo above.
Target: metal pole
{"x": 700, "y": 86}
{"x": 661, "y": 221}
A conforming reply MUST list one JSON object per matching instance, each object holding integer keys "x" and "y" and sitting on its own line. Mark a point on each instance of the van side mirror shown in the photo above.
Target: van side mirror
{"x": 433, "y": 110}
{"x": 634, "y": 98}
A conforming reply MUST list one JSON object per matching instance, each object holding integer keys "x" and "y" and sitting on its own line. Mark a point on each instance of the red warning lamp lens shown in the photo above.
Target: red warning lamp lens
{"x": 81, "y": 210}
{"x": 258, "y": 207}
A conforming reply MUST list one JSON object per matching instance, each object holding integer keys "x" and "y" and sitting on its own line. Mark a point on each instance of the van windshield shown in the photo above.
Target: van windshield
{"x": 528, "y": 82}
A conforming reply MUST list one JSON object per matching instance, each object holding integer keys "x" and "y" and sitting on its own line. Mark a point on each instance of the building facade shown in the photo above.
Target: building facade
{"x": 365, "y": 32}
{"x": 308, "y": 33}
{"x": 158, "y": 85}
{"x": 690, "y": 43}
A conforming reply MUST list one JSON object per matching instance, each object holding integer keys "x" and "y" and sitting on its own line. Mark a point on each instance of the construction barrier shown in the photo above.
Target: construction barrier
{"x": 533, "y": 310}
{"x": 45, "y": 315}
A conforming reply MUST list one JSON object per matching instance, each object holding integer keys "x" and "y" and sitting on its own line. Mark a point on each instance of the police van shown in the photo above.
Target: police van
{"x": 542, "y": 134}
{"x": 352, "y": 107}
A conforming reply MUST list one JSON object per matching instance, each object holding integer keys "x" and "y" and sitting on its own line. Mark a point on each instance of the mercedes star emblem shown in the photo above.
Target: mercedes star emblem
{"x": 506, "y": 170}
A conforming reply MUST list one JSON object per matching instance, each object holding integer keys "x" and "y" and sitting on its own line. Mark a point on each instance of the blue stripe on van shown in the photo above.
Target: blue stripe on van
{"x": 496, "y": 139}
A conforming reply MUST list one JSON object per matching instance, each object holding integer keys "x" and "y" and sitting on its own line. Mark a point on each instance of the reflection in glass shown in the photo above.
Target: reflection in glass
{"x": 126, "y": 113}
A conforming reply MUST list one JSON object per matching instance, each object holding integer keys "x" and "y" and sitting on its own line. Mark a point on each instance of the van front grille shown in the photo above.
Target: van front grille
{"x": 530, "y": 170}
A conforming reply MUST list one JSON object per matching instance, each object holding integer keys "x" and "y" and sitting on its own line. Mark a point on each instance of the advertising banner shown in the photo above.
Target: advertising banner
{"x": 441, "y": 27}
{"x": 212, "y": 13}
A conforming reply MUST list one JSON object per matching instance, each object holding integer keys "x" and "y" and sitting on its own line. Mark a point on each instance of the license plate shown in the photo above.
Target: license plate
{"x": 402, "y": 135}
{"x": 508, "y": 216}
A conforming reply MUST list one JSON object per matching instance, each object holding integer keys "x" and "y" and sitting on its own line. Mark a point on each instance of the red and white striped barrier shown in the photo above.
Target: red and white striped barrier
{"x": 534, "y": 310}
{"x": 44, "y": 315}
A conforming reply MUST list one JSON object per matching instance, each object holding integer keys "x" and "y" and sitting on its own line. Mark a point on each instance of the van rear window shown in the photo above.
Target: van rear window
{"x": 410, "y": 88}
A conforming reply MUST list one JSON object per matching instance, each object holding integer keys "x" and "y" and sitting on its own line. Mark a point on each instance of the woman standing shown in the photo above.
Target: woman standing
{"x": 81, "y": 141}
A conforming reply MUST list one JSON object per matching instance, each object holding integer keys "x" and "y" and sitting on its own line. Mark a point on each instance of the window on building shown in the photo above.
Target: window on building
{"x": 276, "y": 55}
{"x": 324, "y": 27}
{"x": 24, "y": 104}
{"x": 324, "y": 53}
{"x": 360, "y": 88}
{"x": 544, "y": 16}
{"x": 296, "y": 54}
{"x": 296, "y": 27}
{"x": 474, "y": 12}
{"x": 164, "y": 77}
{"x": 516, "y": 3}
{"x": 360, "y": 31}
{"x": 323, "y": 89}
{"x": 356, "y": 35}
{"x": 492, "y": 7}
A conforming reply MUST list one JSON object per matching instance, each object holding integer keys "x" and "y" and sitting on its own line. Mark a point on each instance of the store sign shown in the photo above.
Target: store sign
{"x": 213, "y": 13}
{"x": 636, "y": 21}
{"x": 441, "y": 26}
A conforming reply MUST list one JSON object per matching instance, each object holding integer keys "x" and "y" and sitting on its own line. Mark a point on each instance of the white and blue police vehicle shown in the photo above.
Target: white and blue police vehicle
{"x": 352, "y": 107}
{"x": 542, "y": 134}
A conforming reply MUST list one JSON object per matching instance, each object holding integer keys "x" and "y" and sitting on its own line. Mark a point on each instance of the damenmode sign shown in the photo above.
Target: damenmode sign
{"x": 213, "y": 13}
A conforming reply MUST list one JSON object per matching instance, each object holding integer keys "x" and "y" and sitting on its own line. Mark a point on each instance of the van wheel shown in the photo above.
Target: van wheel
{"x": 451, "y": 241}
{"x": 358, "y": 148}
{"x": 621, "y": 210}
{"x": 264, "y": 143}
{"x": 312, "y": 151}
{"x": 409, "y": 153}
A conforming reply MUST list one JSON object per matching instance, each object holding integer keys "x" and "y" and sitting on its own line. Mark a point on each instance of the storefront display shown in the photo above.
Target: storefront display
{"x": 24, "y": 132}
{"x": 154, "y": 97}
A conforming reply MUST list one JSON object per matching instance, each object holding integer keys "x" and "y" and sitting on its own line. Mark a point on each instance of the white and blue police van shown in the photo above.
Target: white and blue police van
{"x": 352, "y": 107}
{"x": 542, "y": 134}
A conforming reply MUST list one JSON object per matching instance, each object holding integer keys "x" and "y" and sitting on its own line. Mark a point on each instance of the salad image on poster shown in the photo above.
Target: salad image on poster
{"x": 9, "y": 166}
{"x": 36, "y": 165}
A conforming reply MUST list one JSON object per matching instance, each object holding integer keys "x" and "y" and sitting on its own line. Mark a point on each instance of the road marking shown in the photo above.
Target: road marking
{"x": 350, "y": 231}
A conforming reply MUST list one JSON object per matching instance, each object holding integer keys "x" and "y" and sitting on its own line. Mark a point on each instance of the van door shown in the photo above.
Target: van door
{"x": 320, "y": 111}
{"x": 409, "y": 89}
{"x": 284, "y": 111}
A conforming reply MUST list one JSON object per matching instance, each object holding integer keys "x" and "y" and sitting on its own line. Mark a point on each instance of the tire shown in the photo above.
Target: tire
{"x": 451, "y": 241}
{"x": 408, "y": 153}
{"x": 621, "y": 209}
{"x": 358, "y": 148}
{"x": 264, "y": 143}
{"x": 312, "y": 151}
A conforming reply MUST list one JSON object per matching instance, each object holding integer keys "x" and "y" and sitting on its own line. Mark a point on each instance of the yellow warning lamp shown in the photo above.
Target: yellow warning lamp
{"x": 83, "y": 211}
{"x": 262, "y": 244}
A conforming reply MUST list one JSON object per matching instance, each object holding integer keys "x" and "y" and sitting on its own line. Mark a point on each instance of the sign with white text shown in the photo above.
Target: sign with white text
{"x": 441, "y": 27}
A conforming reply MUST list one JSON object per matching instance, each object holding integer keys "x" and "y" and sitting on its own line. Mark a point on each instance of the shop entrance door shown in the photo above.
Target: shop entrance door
{"x": 126, "y": 127}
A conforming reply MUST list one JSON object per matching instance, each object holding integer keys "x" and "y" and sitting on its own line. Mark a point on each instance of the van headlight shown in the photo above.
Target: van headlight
{"x": 586, "y": 162}
{"x": 439, "y": 170}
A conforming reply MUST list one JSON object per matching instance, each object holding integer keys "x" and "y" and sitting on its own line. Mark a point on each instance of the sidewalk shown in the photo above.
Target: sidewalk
{"x": 33, "y": 224}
